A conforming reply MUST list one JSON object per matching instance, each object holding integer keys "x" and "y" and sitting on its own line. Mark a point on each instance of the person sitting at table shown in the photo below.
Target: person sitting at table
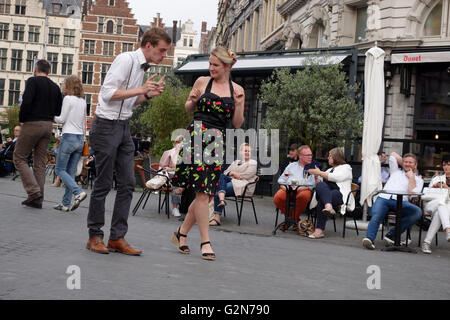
{"x": 384, "y": 170}
{"x": 291, "y": 157}
{"x": 402, "y": 181}
{"x": 233, "y": 180}
{"x": 332, "y": 191}
{"x": 296, "y": 172}
{"x": 440, "y": 210}
{"x": 168, "y": 162}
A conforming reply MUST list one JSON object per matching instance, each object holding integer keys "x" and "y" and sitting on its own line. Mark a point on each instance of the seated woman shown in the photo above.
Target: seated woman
{"x": 168, "y": 162}
{"x": 332, "y": 191}
{"x": 440, "y": 211}
{"x": 233, "y": 181}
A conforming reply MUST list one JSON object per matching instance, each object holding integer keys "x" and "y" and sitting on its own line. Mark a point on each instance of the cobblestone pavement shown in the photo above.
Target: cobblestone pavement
{"x": 38, "y": 246}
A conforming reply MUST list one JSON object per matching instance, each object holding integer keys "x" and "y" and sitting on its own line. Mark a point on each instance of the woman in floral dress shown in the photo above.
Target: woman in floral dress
{"x": 215, "y": 101}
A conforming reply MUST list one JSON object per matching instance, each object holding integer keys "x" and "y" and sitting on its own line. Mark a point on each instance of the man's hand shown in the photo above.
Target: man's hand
{"x": 152, "y": 88}
{"x": 410, "y": 174}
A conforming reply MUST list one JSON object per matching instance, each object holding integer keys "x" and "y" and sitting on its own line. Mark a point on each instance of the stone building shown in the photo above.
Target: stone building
{"x": 108, "y": 29}
{"x": 415, "y": 34}
{"x": 187, "y": 44}
{"x": 36, "y": 29}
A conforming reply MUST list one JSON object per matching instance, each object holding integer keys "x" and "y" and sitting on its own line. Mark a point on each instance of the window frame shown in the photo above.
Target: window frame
{"x": 87, "y": 74}
{"x": 67, "y": 64}
{"x": 16, "y": 61}
{"x": 13, "y": 93}
{"x": 53, "y": 37}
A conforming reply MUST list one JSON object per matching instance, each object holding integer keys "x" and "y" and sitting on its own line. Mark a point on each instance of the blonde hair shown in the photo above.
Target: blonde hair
{"x": 224, "y": 55}
{"x": 178, "y": 140}
{"x": 73, "y": 87}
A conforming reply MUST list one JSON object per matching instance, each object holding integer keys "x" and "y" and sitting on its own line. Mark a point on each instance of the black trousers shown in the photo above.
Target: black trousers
{"x": 114, "y": 152}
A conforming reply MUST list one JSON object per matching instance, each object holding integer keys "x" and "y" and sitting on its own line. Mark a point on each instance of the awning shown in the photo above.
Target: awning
{"x": 420, "y": 57}
{"x": 201, "y": 64}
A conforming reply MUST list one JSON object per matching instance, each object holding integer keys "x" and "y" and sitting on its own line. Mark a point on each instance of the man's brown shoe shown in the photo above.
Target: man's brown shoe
{"x": 34, "y": 201}
{"x": 120, "y": 245}
{"x": 96, "y": 244}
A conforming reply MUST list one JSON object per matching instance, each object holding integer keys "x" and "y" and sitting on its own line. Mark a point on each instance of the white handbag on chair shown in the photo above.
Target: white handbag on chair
{"x": 159, "y": 180}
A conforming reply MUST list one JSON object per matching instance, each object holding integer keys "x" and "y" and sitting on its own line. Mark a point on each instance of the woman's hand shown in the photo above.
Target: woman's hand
{"x": 316, "y": 171}
{"x": 235, "y": 175}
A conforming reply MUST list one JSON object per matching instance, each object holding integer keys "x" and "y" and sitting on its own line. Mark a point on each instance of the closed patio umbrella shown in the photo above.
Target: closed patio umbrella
{"x": 373, "y": 123}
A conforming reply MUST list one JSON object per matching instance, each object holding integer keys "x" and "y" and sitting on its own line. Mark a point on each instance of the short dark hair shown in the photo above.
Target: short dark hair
{"x": 43, "y": 66}
{"x": 293, "y": 147}
{"x": 153, "y": 35}
{"x": 446, "y": 158}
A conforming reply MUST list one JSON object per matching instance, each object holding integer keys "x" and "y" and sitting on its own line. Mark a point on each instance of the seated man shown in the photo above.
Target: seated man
{"x": 405, "y": 180}
{"x": 296, "y": 171}
{"x": 6, "y": 153}
{"x": 291, "y": 157}
{"x": 384, "y": 170}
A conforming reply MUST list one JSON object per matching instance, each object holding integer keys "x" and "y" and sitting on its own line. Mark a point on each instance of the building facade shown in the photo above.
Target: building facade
{"x": 36, "y": 29}
{"x": 415, "y": 34}
{"x": 108, "y": 29}
{"x": 187, "y": 44}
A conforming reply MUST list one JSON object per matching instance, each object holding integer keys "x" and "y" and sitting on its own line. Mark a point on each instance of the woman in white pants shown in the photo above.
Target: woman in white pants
{"x": 441, "y": 212}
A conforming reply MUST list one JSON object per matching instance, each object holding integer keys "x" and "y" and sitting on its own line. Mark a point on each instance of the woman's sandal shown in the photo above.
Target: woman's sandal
{"x": 222, "y": 203}
{"x": 207, "y": 255}
{"x": 176, "y": 241}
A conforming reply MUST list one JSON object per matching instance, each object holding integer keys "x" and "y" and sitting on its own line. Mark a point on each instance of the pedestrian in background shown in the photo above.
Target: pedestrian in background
{"x": 73, "y": 118}
{"x": 42, "y": 101}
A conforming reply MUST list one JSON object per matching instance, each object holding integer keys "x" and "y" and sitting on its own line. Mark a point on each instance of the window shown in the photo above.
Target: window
{"x": 69, "y": 37}
{"x": 319, "y": 36}
{"x": 361, "y": 24}
{"x": 3, "y": 58}
{"x": 16, "y": 60}
{"x": 2, "y": 91}
{"x": 191, "y": 42}
{"x": 33, "y": 33}
{"x": 18, "y": 32}
{"x": 110, "y": 27}
{"x": 119, "y": 26}
{"x": 31, "y": 55}
{"x": 89, "y": 46}
{"x": 53, "y": 59}
{"x": 88, "y": 98}
{"x": 100, "y": 24}
{"x": 432, "y": 25}
{"x": 14, "y": 92}
{"x": 105, "y": 68}
{"x": 20, "y": 7}
{"x": 5, "y": 6}
{"x": 126, "y": 47}
{"x": 53, "y": 35}
{"x": 4, "y": 29}
{"x": 56, "y": 8}
{"x": 67, "y": 64}
{"x": 108, "y": 48}
{"x": 87, "y": 72}
{"x": 111, "y": 3}
{"x": 184, "y": 42}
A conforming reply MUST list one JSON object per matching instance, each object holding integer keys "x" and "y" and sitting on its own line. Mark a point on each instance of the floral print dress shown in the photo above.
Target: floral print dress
{"x": 201, "y": 166}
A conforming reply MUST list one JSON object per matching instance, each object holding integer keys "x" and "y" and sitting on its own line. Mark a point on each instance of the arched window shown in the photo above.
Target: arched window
{"x": 319, "y": 37}
{"x": 110, "y": 27}
{"x": 433, "y": 23}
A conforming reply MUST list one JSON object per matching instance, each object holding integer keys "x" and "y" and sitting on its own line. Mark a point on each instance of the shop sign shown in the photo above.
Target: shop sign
{"x": 420, "y": 57}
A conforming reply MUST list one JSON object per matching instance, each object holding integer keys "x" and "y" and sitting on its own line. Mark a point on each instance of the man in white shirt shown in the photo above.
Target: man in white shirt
{"x": 110, "y": 137}
{"x": 402, "y": 181}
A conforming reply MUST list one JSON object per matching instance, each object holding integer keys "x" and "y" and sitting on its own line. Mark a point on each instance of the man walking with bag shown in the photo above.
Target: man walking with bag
{"x": 42, "y": 101}
{"x": 111, "y": 140}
